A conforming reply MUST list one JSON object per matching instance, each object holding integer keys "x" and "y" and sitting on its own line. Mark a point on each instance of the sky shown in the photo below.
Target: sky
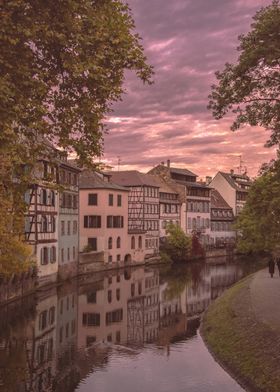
{"x": 186, "y": 41}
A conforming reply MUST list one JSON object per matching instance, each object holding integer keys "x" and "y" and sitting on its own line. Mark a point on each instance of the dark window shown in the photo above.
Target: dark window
{"x": 43, "y": 320}
{"x": 92, "y": 243}
{"x": 118, "y": 242}
{"x": 140, "y": 242}
{"x": 92, "y": 199}
{"x": 132, "y": 289}
{"x": 132, "y": 242}
{"x": 91, "y": 297}
{"x": 92, "y": 221}
{"x": 118, "y": 294}
{"x": 119, "y": 203}
{"x": 110, "y": 243}
{"x": 111, "y": 199}
{"x": 114, "y": 221}
{"x": 114, "y": 317}
{"x": 44, "y": 256}
{"x": 91, "y": 319}
{"x": 44, "y": 197}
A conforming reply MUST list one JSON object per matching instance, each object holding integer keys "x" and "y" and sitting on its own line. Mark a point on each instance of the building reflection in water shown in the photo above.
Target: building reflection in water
{"x": 52, "y": 341}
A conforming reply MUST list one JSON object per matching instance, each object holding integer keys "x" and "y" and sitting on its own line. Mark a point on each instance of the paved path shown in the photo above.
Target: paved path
{"x": 265, "y": 297}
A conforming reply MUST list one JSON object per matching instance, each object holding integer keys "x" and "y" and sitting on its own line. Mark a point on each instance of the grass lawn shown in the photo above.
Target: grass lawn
{"x": 247, "y": 348}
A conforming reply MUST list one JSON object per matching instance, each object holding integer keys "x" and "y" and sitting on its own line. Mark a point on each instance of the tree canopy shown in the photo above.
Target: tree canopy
{"x": 250, "y": 89}
{"x": 62, "y": 64}
{"x": 177, "y": 245}
{"x": 259, "y": 222}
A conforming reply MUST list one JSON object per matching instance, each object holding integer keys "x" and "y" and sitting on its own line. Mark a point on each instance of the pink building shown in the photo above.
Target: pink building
{"x": 103, "y": 218}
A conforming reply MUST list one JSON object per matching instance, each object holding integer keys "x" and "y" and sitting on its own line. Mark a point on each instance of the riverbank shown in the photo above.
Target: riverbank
{"x": 242, "y": 330}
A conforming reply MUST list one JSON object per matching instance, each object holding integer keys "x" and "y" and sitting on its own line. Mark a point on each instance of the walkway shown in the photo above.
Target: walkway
{"x": 265, "y": 298}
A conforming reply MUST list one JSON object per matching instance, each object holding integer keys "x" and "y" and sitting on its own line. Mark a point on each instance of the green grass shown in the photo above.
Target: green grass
{"x": 249, "y": 349}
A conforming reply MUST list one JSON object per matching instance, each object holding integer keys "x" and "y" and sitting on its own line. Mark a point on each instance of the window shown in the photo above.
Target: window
{"x": 92, "y": 221}
{"x": 139, "y": 288}
{"x": 92, "y": 243}
{"x": 53, "y": 254}
{"x": 44, "y": 256}
{"x": 132, "y": 242}
{"x": 92, "y": 199}
{"x": 110, "y": 243}
{"x": 114, "y": 221}
{"x": 74, "y": 252}
{"x": 140, "y": 242}
{"x": 44, "y": 223}
{"x": 52, "y": 224}
{"x": 68, "y": 254}
{"x": 118, "y": 257}
{"x": 44, "y": 197}
{"x": 111, "y": 199}
{"x": 69, "y": 227}
{"x": 75, "y": 202}
{"x": 75, "y": 227}
{"x": 118, "y": 294}
{"x": 91, "y": 297}
{"x": 132, "y": 289}
{"x": 52, "y": 198}
{"x": 118, "y": 242}
{"x": 91, "y": 319}
{"x": 62, "y": 255}
{"x": 114, "y": 317}
{"x": 189, "y": 223}
{"x": 119, "y": 201}
{"x": 43, "y": 320}
{"x": 62, "y": 227}
{"x": 110, "y": 259}
{"x": 52, "y": 315}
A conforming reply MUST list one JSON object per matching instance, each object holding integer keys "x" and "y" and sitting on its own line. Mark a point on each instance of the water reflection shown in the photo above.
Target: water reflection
{"x": 57, "y": 339}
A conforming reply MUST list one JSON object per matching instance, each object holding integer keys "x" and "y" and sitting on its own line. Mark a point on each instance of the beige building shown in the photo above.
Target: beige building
{"x": 233, "y": 188}
{"x": 103, "y": 218}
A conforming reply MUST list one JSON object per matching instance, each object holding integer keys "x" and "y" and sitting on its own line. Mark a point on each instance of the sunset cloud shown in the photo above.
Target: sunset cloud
{"x": 186, "y": 41}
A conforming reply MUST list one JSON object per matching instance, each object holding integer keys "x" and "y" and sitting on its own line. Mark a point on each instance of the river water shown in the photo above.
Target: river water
{"x": 130, "y": 330}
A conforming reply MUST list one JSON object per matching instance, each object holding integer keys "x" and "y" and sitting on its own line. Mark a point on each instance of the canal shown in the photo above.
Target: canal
{"x": 129, "y": 330}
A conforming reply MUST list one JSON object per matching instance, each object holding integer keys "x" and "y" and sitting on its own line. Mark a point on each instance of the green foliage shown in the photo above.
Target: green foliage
{"x": 177, "y": 245}
{"x": 259, "y": 221}
{"x": 62, "y": 67}
{"x": 250, "y": 89}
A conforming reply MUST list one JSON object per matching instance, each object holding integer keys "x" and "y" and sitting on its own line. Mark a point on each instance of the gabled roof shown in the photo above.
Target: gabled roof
{"x": 94, "y": 180}
{"x": 230, "y": 179}
{"x": 217, "y": 201}
{"x": 163, "y": 186}
{"x": 184, "y": 172}
{"x": 193, "y": 184}
{"x": 132, "y": 178}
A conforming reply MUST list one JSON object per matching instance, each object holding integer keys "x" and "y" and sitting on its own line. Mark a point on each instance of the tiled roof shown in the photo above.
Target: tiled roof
{"x": 217, "y": 201}
{"x": 94, "y": 180}
{"x": 132, "y": 178}
{"x": 163, "y": 186}
{"x": 230, "y": 179}
{"x": 185, "y": 172}
{"x": 193, "y": 184}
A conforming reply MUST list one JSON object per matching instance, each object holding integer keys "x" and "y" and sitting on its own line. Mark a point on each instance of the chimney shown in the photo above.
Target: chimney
{"x": 168, "y": 162}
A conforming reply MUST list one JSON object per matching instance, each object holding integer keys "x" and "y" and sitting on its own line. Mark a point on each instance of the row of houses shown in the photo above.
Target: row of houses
{"x": 112, "y": 218}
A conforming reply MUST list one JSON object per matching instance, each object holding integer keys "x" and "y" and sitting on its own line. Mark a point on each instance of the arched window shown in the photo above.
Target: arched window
{"x": 118, "y": 242}
{"x": 132, "y": 242}
{"x": 110, "y": 243}
{"x": 140, "y": 242}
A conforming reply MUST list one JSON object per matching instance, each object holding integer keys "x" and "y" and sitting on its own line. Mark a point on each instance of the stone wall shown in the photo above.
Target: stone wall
{"x": 18, "y": 285}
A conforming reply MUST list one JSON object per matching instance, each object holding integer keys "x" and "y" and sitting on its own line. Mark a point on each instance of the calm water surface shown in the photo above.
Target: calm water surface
{"x": 132, "y": 330}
